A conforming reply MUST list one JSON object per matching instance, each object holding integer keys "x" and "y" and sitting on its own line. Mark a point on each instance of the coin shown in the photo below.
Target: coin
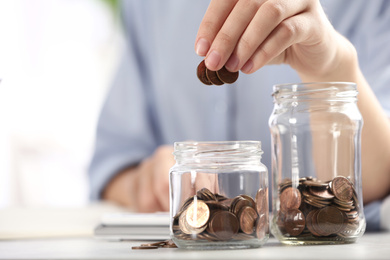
{"x": 183, "y": 224}
{"x": 261, "y": 227}
{"x": 226, "y": 76}
{"x": 309, "y": 222}
{"x": 342, "y": 188}
{"x": 205, "y": 194}
{"x": 247, "y": 219}
{"x": 213, "y": 78}
{"x": 261, "y": 201}
{"x": 238, "y": 203}
{"x": 201, "y": 73}
{"x": 294, "y": 222}
{"x": 323, "y": 193}
{"x": 330, "y": 220}
{"x": 224, "y": 225}
{"x": 290, "y": 199}
{"x": 144, "y": 247}
{"x": 197, "y": 214}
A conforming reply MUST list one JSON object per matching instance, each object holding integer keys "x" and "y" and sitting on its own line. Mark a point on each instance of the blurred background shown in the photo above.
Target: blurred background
{"x": 57, "y": 59}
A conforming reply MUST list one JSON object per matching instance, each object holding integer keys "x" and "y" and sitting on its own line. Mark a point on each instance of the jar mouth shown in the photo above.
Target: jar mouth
{"x": 330, "y": 91}
{"x": 217, "y": 149}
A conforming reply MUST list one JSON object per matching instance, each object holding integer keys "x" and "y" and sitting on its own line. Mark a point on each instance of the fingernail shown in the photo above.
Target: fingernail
{"x": 202, "y": 47}
{"x": 232, "y": 63}
{"x": 247, "y": 67}
{"x": 213, "y": 60}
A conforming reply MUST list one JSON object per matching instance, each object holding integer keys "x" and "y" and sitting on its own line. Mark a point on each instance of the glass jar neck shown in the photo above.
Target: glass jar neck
{"x": 335, "y": 92}
{"x": 218, "y": 152}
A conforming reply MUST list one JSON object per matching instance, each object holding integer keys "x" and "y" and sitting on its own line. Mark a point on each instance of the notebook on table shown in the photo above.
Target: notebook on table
{"x": 133, "y": 226}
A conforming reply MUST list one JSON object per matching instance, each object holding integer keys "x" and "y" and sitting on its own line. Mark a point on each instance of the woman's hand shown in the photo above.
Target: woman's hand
{"x": 248, "y": 34}
{"x": 144, "y": 188}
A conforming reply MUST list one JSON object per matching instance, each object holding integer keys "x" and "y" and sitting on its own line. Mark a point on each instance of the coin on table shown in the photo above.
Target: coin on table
{"x": 201, "y": 73}
{"x": 223, "y": 225}
{"x": 342, "y": 188}
{"x": 290, "y": 199}
{"x": 247, "y": 219}
{"x": 213, "y": 78}
{"x": 197, "y": 214}
{"x": 226, "y": 76}
{"x": 143, "y": 247}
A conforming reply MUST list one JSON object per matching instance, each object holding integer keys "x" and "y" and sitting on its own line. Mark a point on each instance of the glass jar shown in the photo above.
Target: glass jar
{"x": 317, "y": 189}
{"x": 219, "y": 195}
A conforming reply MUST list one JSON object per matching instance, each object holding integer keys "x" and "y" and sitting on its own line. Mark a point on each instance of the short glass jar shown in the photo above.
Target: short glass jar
{"x": 219, "y": 195}
{"x": 317, "y": 189}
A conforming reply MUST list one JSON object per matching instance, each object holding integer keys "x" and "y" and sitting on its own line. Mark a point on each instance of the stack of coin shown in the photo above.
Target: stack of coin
{"x": 316, "y": 208}
{"x": 220, "y": 77}
{"x": 214, "y": 217}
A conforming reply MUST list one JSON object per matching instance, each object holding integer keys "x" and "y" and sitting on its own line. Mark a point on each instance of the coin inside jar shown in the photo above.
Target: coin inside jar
{"x": 224, "y": 225}
{"x": 198, "y": 214}
{"x": 247, "y": 219}
{"x": 290, "y": 199}
{"x": 342, "y": 188}
{"x": 294, "y": 222}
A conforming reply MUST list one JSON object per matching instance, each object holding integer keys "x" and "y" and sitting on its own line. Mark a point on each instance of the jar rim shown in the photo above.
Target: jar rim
{"x": 221, "y": 144}
{"x": 217, "y": 149}
{"x": 308, "y": 87}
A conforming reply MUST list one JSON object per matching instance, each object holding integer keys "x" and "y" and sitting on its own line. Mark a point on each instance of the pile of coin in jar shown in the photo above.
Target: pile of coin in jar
{"x": 317, "y": 208}
{"x": 213, "y": 217}
{"x": 220, "y": 77}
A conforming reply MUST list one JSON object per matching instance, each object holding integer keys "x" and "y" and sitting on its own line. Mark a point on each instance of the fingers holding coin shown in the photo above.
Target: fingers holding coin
{"x": 246, "y": 35}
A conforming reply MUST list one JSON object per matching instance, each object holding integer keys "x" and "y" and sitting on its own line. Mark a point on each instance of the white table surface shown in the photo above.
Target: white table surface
{"x": 370, "y": 246}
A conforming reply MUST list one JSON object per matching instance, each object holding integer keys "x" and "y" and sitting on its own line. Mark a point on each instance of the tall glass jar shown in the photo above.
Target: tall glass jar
{"x": 219, "y": 195}
{"x": 317, "y": 189}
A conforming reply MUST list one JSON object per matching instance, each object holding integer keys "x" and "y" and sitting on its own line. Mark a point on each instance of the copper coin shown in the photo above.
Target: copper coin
{"x": 213, "y": 78}
{"x": 261, "y": 201}
{"x": 309, "y": 222}
{"x": 249, "y": 198}
{"x": 214, "y": 205}
{"x": 241, "y": 204}
{"x": 294, "y": 222}
{"x": 238, "y": 203}
{"x": 261, "y": 227}
{"x": 183, "y": 224}
{"x": 317, "y": 226}
{"x": 201, "y": 73}
{"x": 330, "y": 220}
{"x": 223, "y": 225}
{"x": 247, "y": 219}
{"x": 226, "y": 76}
{"x": 342, "y": 188}
{"x": 205, "y": 194}
{"x": 321, "y": 192}
{"x": 290, "y": 199}
{"x": 197, "y": 214}
{"x": 144, "y": 247}
{"x": 315, "y": 183}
